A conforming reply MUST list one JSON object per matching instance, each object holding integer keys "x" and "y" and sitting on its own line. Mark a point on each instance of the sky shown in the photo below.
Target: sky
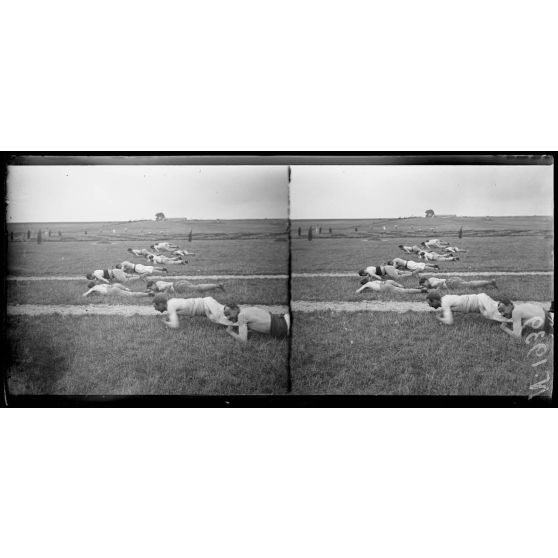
{"x": 387, "y": 191}
{"x": 130, "y": 192}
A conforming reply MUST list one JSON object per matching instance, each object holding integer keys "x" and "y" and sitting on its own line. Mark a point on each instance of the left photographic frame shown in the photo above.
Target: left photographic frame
{"x": 146, "y": 276}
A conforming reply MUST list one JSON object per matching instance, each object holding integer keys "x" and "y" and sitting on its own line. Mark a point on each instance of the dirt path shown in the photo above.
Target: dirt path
{"x": 297, "y": 306}
{"x": 99, "y": 310}
{"x": 294, "y": 275}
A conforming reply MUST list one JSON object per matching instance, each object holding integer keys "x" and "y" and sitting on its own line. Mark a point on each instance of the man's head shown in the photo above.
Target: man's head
{"x": 118, "y": 266}
{"x": 130, "y": 250}
{"x": 160, "y": 302}
{"x": 91, "y": 284}
{"x": 422, "y": 280}
{"x": 231, "y": 312}
{"x": 362, "y": 273}
{"x": 434, "y": 299}
{"x": 505, "y": 307}
{"x": 150, "y": 284}
{"x": 423, "y": 244}
{"x": 389, "y": 262}
{"x": 90, "y": 276}
{"x": 152, "y": 246}
{"x": 401, "y": 246}
{"x": 365, "y": 280}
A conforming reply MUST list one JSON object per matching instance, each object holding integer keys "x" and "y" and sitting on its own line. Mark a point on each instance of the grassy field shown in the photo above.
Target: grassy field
{"x": 343, "y": 288}
{"x": 492, "y": 243}
{"x": 521, "y": 253}
{"x": 241, "y": 291}
{"x": 110, "y": 355}
{"x": 406, "y": 354}
{"x": 242, "y": 257}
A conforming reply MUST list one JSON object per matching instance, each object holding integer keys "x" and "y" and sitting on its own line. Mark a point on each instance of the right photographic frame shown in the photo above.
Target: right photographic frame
{"x": 423, "y": 275}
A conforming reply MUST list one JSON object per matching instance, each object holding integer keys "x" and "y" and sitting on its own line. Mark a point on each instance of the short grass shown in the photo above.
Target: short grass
{"x": 235, "y": 256}
{"x": 343, "y": 288}
{"x": 109, "y": 355}
{"x": 407, "y": 354}
{"x": 242, "y": 291}
{"x": 490, "y": 253}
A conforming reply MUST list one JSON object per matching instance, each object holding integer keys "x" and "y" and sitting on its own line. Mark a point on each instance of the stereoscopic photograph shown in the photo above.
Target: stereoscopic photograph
{"x": 146, "y": 279}
{"x": 144, "y": 275}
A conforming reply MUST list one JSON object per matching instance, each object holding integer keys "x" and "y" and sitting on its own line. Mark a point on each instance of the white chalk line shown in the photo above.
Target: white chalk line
{"x": 302, "y": 306}
{"x": 284, "y": 277}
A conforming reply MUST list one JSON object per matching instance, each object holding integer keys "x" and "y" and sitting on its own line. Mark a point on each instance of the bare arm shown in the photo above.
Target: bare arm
{"x": 363, "y": 288}
{"x": 91, "y": 290}
{"x": 172, "y": 321}
{"x": 242, "y": 334}
{"x": 447, "y": 316}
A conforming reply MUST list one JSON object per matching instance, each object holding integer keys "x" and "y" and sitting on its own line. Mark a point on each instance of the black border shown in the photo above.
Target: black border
{"x": 262, "y": 158}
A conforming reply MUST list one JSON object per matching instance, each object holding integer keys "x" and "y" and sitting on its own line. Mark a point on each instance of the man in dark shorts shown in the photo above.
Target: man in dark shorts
{"x": 252, "y": 318}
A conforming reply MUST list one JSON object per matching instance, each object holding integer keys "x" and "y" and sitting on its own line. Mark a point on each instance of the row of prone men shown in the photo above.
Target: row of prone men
{"x": 425, "y": 250}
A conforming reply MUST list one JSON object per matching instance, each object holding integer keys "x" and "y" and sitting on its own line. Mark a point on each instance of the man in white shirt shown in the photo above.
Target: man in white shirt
{"x": 153, "y": 258}
{"x": 111, "y": 290}
{"x": 387, "y": 286}
{"x": 380, "y": 271}
{"x": 410, "y": 265}
{"x": 526, "y": 314}
{"x": 455, "y": 283}
{"x": 435, "y": 257}
{"x": 140, "y": 269}
{"x": 183, "y": 286}
{"x": 139, "y": 252}
{"x": 474, "y": 303}
{"x": 453, "y": 249}
{"x": 165, "y": 247}
{"x": 190, "y": 307}
{"x": 257, "y": 319}
{"x": 434, "y": 243}
{"x": 410, "y": 249}
{"x": 107, "y": 275}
